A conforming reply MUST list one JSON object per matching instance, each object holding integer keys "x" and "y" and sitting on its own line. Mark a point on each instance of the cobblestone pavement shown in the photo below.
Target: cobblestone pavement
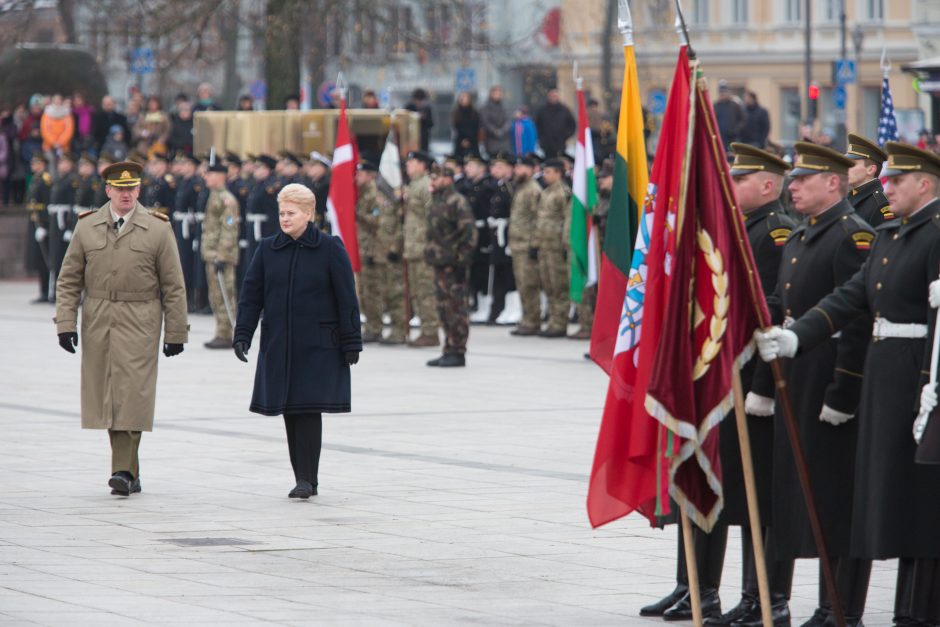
{"x": 446, "y": 497}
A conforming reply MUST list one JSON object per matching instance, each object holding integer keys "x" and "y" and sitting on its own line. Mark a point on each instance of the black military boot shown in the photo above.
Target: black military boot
{"x": 852, "y": 577}
{"x": 657, "y": 608}
{"x": 750, "y": 601}
{"x": 779, "y": 613}
{"x": 711, "y": 606}
{"x": 904, "y": 594}
{"x": 452, "y": 360}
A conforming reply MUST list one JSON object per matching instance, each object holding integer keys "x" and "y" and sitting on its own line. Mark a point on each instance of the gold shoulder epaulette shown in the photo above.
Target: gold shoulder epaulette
{"x": 85, "y": 214}
{"x": 157, "y": 214}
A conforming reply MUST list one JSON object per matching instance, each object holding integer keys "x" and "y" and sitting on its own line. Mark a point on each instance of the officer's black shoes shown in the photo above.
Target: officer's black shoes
{"x": 121, "y": 483}
{"x": 449, "y": 360}
{"x": 391, "y": 341}
{"x": 368, "y": 338}
{"x": 524, "y": 331}
{"x": 821, "y": 617}
{"x": 742, "y": 611}
{"x": 779, "y": 613}
{"x": 553, "y": 334}
{"x": 135, "y": 488}
{"x": 218, "y": 342}
{"x": 657, "y": 609}
{"x": 303, "y": 490}
{"x": 711, "y": 606}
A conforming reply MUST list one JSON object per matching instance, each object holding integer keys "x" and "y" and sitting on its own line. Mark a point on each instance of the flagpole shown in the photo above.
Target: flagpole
{"x": 691, "y": 566}
{"x": 750, "y": 489}
{"x": 783, "y": 394}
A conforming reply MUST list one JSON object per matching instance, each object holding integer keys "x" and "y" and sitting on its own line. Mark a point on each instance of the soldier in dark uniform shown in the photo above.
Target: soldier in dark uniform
{"x": 501, "y": 170}
{"x": 317, "y": 178}
{"x": 240, "y": 187}
{"x": 89, "y": 184}
{"x": 867, "y": 196}
{"x": 477, "y": 190}
{"x": 101, "y": 196}
{"x": 61, "y": 213}
{"x": 450, "y": 244}
{"x": 200, "y": 277}
{"x": 184, "y": 220}
{"x": 822, "y": 254}
{"x": 896, "y": 513}
{"x": 261, "y": 210}
{"x": 289, "y": 166}
{"x": 161, "y": 195}
{"x": 37, "y": 237}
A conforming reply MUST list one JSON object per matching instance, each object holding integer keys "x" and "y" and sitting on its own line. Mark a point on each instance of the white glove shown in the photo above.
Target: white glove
{"x": 243, "y": 243}
{"x": 775, "y": 343}
{"x": 40, "y": 234}
{"x": 928, "y": 398}
{"x": 757, "y": 405}
{"x": 934, "y": 293}
{"x": 67, "y": 236}
{"x": 833, "y": 417}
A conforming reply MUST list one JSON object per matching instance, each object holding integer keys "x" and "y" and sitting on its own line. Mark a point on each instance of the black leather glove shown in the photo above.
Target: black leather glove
{"x": 596, "y": 219}
{"x": 393, "y": 257}
{"x": 219, "y": 266}
{"x": 68, "y": 341}
{"x": 352, "y": 358}
{"x": 534, "y": 254}
{"x": 370, "y": 261}
{"x": 564, "y": 254}
{"x": 172, "y": 350}
{"x": 241, "y": 350}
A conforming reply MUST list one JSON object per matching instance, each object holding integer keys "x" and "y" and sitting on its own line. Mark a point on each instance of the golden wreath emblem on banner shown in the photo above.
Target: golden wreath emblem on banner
{"x": 718, "y": 319}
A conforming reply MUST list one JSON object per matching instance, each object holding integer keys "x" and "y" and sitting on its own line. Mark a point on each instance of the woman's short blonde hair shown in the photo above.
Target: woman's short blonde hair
{"x": 299, "y": 195}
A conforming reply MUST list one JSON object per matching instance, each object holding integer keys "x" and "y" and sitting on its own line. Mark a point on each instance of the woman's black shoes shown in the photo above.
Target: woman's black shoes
{"x": 303, "y": 490}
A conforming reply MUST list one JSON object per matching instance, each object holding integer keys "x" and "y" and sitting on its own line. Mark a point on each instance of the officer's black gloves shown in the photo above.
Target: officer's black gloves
{"x": 370, "y": 261}
{"x": 172, "y": 350}
{"x": 352, "y": 358}
{"x": 534, "y": 254}
{"x": 68, "y": 341}
{"x": 220, "y": 266}
{"x": 241, "y": 350}
{"x": 393, "y": 257}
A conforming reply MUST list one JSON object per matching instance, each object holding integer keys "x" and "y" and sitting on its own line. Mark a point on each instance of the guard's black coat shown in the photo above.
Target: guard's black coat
{"x": 870, "y": 203}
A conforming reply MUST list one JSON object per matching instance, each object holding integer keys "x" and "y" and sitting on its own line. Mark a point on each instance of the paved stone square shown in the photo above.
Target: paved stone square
{"x": 446, "y": 497}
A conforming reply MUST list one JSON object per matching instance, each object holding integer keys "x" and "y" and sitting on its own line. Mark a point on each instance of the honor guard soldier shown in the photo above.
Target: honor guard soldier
{"x": 387, "y": 251}
{"x": 478, "y": 189}
{"x": 219, "y": 250}
{"x": 420, "y": 272}
{"x": 104, "y": 160}
{"x": 524, "y": 246}
{"x": 89, "y": 184}
{"x": 261, "y": 211}
{"x": 161, "y": 195}
{"x": 61, "y": 215}
{"x": 317, "y": 178}
{"x": 37, "y": 239}
{"x": 240, "y": 186}
{"x": 500, "y": 271}
{"x": 451, "y": 238}
{"x": 200, "y": 277}
{"x": 124, "y": 260}
{"x": 822, "y": 254}
{"x": 290, "y": 168}
{"x": 554, "y": 206}
{"x": 867, "y": 195}
{"x": 184, "y": 220}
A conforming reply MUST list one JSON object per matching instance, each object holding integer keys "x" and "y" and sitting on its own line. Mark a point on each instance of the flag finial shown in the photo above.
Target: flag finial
{"x": 625, "y": 22}
{"x": 578, "y": 80}
{"x": 682, "y": 31}
{"x": 341, "y": 85}
{"x": 885, "y": 61}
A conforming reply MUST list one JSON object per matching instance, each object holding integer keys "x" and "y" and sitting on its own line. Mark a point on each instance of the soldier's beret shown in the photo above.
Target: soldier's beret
{"x": 266, "y": 160}
{"x": 904, "y": 159}
{"x": 863, "y": 148}
{"x": 422, "y": 155}
{"x": 503, "y": 157}
{"x": 442, "y": 170}
{"x": 367, "y": 166}
{"x": 232, "y": 159}
{"x": 183, "y": 157}
{"x": 815, "y": 159}
{"x": 557, "y": 164}
{"x": 749, "y": 159}
{"x": 474, "y": 157}
{"x": 122, "y": 174}
{"x": 286, "y": 155}
{"x": 527, "y": 160}
{"x": 535, "y": 157}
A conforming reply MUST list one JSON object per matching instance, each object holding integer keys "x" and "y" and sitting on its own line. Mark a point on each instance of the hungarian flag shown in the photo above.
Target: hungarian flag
{"x": 631, "y": 178}
{"x": 630, "y": 469}
{"x": 707, "y": 321}
{"x": 341, "y": 203}
{"x": 583, "y": 237}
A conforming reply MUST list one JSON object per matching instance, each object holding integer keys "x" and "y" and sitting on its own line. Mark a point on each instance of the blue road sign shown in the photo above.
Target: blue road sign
{"x": 142, "y": 61}
{"x": 843, "y": 71}
{"x": 258, "y": 89}
{"x": 466, "y": 79}
{"x": 325, "y": 93}
{"x": 385, "y": 98}
{"x": 838, "y": 96}
{"x": 657, "y": 102}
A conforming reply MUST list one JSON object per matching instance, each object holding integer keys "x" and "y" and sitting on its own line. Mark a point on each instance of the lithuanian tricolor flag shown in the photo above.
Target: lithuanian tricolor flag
{"x": 631, "y": 178}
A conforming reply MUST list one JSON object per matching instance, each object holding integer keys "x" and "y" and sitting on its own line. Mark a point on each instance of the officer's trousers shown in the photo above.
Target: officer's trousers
{"x": 223, "y": 325}
{"x": 124, "y": 452}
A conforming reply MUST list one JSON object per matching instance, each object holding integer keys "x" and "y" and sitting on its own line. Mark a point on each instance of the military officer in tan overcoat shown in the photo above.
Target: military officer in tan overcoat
{"x": 125, "y": 260}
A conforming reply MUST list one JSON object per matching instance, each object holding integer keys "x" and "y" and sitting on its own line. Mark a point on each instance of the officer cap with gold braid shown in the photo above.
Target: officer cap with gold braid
{"x": 904, "y": 159}
{"x": 122, "y": 174}
{"x": 748, "y": 159}
{"x": 815, "y": 159}
{"x": 864, "y": 148}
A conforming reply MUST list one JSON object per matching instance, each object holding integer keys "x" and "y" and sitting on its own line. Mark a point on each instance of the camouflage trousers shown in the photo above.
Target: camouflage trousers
{"x": 526, "y": 272}
{"x": 381, "y": 289}
{"x": 450, "y": 286}
{"x": 423, "y": 302}
{"x": 223, "y": 326}
{"x": 553, "y": 272}
{"x": 586, "y": 308}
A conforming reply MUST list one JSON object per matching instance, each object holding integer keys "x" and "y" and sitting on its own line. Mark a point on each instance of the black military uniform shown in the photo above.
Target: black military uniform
{"x": 37, "y": 252}
{"x": 869, "y": 198}
{"x": 161, "y": 195}
{"x": 261, "y": 211}
{"x": 321, "y": 191}
{"x": 61, "y": 213}
{"x": 896, "y": 512}
{"x": 240, "y": 187}
{"x": 498, "y": 224}
{"x": 184, "y": 223}
{"x": 101, "y": 197}
{"x": 478, "y": 193}
{"x": 821, "y": 254}
{"x": 200, "y": 278}
{"x": 88, "y": 188}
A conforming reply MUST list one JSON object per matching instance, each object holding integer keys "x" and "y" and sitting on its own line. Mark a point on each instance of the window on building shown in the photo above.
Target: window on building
{"x": 399, "y": 29}
{"x": 793, "y": 11}
{"x": 739, "y": 11}
{"x": 789, "y": 113}
{"x": 473, "y": 26}
{"x": 699, "y": 12}
{"x": 870, "y": 111}
{"x": 829, "y": 10}
{"x": 873, "y": 10}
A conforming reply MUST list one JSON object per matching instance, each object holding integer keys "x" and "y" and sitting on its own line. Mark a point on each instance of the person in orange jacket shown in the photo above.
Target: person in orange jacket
{"x": 57, "y": 125}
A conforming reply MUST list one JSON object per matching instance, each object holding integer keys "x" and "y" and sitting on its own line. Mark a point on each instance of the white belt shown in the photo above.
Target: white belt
{"x": 256, "y": 219}
{"x": 910, "y": 330}
{"x": 184, "y": 218}
{"x": 60, "y": 212}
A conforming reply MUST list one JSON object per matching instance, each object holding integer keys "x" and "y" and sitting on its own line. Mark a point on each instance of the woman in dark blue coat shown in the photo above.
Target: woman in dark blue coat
{"x": 302, "y": 282}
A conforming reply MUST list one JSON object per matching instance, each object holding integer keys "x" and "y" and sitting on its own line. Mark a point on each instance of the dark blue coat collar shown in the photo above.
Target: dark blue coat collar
{"x": 311, "y": 237}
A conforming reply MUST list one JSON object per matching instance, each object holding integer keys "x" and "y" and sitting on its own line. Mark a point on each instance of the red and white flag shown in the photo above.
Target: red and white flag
{"x": 341, "y": 204}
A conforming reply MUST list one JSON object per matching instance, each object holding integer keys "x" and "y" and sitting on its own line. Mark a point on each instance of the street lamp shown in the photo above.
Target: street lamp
{"x": 858, "y": 38}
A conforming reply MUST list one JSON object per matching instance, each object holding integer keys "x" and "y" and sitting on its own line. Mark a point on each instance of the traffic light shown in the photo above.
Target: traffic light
{"x": 813, "y": 102}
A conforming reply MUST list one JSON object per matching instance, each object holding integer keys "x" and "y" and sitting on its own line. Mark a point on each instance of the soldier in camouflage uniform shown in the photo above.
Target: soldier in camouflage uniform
{"x": 524, "y": 247}
{"x": 219, "y": 249}
{"x": 367, "y": 224}
{"x": 37, "y": 239}
{"x": 420, "y": 274}
{"x": 551, "y": 245}
{"x": 598, "y": 218}
{"x": 451, "y": 238}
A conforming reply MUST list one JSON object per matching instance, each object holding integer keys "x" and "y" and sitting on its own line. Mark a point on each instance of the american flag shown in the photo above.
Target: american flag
{"x": 887, "y": 124}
